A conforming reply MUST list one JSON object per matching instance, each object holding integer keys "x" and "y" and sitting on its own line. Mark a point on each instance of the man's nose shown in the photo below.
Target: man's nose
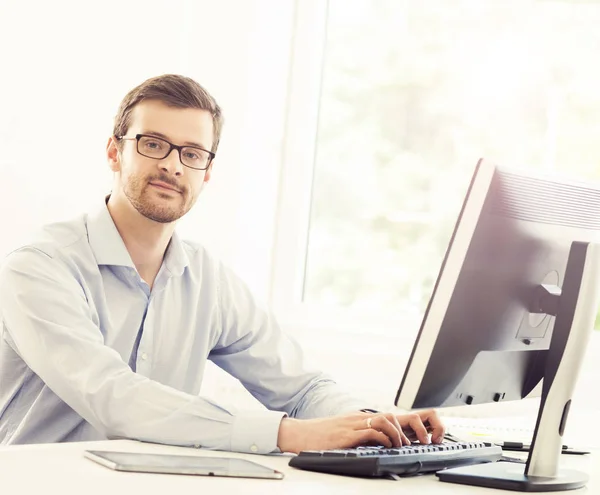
{"x": 171, "y": 163}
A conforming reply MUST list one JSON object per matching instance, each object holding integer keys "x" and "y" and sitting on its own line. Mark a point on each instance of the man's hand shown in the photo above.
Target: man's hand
{"x": 420, "y": 424}
{"x": 352, "y": 430}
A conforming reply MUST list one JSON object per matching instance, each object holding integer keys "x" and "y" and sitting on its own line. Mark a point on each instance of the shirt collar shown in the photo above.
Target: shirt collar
{"x": 106, "y": 242}
{"x": 176, "y": 259}
{"x": 109, "y": 249}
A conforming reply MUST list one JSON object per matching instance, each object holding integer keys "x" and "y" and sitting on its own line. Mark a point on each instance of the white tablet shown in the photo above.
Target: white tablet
{"x": 182, "y": 464}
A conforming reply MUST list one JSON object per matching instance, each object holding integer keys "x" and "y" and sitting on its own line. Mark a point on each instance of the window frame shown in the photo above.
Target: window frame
{"x": 292, "y": 217}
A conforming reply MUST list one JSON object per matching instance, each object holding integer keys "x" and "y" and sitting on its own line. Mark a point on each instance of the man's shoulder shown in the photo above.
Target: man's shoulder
{"x": 208, "y": 266}
{"x": 54, "y": 239}
{"x": 204, "y": 262}
{"x": 198, "y": 254}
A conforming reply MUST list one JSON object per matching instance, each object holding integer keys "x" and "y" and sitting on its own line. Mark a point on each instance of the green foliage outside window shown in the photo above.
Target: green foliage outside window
{"x": 413, "y": 94}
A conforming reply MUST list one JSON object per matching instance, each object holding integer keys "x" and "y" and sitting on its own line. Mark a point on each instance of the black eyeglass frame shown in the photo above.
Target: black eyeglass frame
{"x": 171, "y": 148}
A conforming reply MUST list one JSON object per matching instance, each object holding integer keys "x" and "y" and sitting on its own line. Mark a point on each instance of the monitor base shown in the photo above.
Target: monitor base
{"x": 510, "y": 476}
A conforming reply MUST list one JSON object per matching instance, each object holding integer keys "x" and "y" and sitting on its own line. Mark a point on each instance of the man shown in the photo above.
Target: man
{"x": 107, "y": 320}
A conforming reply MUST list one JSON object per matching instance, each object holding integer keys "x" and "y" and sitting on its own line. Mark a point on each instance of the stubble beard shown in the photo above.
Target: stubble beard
{"x": 138, "y": 192}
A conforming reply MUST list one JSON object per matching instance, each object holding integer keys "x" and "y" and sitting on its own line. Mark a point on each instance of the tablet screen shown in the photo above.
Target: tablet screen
{"x": 182, "y": 464}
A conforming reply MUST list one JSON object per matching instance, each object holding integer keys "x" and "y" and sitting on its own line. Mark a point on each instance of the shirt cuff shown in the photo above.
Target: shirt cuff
{"x": 256, "y": 432}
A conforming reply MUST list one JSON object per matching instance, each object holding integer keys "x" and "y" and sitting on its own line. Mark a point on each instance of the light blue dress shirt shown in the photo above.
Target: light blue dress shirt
{"x": 89, "y": 352}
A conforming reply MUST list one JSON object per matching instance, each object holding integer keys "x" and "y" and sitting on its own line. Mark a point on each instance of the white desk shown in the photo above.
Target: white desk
{"x": 62, "y": 469}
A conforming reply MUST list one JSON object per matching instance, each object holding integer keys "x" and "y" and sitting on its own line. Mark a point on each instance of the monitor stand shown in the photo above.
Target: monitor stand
{"x": 575, "y": 309}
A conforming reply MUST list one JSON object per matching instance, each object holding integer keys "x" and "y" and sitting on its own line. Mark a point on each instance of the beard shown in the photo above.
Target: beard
{"x": 168, "y": 208}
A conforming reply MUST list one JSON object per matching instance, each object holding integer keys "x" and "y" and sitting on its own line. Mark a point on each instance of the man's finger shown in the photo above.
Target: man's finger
{"x": 381, "y": 423}
{"x": 394, "y": 420}
{"x": 394, "y": 433}
{"x": 416, "y": 423}
{"x": 434, "y": 425}
{"x": 371, "y": 436}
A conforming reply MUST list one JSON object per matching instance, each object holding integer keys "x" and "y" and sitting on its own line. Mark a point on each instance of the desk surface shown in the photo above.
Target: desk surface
{"x": 61, "y": 468}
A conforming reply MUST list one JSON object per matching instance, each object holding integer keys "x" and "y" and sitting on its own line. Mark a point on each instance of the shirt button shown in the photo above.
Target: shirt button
{"x": 144, "y": 356}
{"x": 197, "y": 445}
{"x": 254, "y": 448}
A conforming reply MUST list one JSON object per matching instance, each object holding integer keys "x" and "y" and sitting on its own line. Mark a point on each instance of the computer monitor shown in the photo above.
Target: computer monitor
{"x": 514, "y": 303}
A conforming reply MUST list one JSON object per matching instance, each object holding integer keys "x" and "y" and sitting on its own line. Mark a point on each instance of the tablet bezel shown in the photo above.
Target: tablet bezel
{"x": 244, "y": 469}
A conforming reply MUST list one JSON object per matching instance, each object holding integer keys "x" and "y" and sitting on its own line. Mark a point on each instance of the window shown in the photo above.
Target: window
{"x": 410, "y": 95}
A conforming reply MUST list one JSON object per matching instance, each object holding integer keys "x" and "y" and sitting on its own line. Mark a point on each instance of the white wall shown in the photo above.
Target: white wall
{"x": 65, "y": 65}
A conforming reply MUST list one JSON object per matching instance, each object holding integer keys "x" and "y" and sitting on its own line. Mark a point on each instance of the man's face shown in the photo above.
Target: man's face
{"x": 162, "y": 190}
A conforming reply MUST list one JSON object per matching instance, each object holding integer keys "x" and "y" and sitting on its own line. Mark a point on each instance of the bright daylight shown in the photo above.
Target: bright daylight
{"x": 291, "y": 245}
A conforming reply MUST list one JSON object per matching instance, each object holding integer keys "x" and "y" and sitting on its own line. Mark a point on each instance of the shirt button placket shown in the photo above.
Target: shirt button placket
{"x": 145, "y": 347}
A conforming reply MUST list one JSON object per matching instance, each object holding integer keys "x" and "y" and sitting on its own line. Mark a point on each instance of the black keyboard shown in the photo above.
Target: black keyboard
{"x": 407, "y": 460}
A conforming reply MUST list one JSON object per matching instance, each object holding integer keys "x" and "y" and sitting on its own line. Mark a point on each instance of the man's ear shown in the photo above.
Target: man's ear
{"x": 208, "y": 172}
{"x": 112, "y": 154}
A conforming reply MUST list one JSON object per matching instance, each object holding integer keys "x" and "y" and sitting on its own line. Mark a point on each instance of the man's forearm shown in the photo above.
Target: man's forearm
{"x": 326, "y": 398}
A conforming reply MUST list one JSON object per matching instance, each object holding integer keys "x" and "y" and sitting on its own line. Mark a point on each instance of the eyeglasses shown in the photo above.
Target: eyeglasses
{"x": 157, "y": 148}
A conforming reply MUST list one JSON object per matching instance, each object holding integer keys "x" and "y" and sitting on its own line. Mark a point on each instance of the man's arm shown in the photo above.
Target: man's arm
{"x": 268, "y": 362}
{"x": 270, "y": 365}
{"x": 47, "y": 320}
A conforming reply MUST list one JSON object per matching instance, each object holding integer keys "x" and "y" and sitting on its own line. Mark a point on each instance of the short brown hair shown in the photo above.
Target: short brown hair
{"x": 175, "y": 91}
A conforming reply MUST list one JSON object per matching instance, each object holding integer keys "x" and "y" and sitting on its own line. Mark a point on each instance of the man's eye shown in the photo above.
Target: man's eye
{"x": 153, "y": 145}
{"x": 191, "y": 155}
